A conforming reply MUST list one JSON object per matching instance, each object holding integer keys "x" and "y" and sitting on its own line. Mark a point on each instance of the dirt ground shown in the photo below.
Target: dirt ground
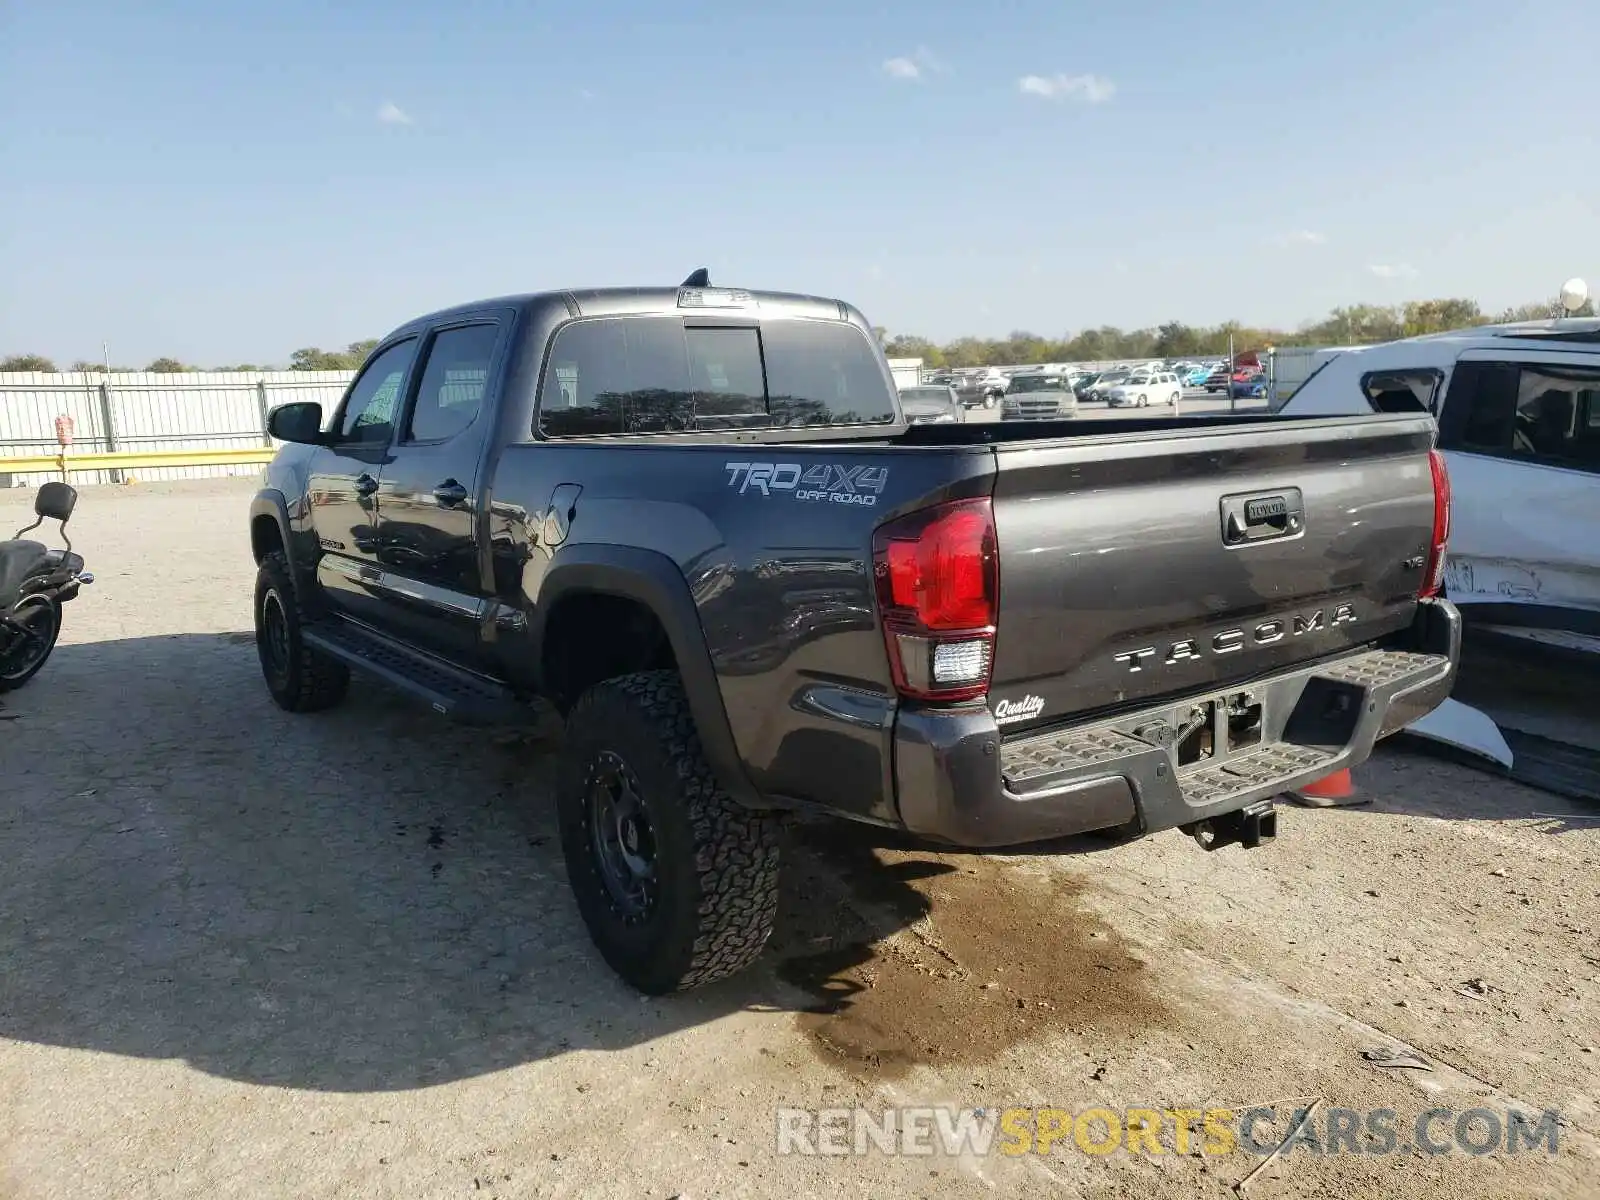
{"x": 244, "y": 953}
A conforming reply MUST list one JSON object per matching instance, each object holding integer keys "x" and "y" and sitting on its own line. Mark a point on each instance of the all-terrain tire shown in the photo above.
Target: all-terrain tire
{"x": 715, "y": 861}
{"x": 300, "y": 679}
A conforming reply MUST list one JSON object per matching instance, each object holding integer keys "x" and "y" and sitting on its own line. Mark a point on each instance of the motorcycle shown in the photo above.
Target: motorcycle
{"x": 35, "y": 581}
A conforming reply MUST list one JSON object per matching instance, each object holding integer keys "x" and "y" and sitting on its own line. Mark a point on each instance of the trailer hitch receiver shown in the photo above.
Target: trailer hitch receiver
{"x": 1249, "y": 827}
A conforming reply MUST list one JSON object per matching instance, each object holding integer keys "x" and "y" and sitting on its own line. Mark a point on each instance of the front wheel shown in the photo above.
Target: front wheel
{"x": 676, "y": 881}
{"x": 1144, "y": 401}
{"x": 299, "y": 678}
{"x": 26, "y": 643}
{"x": 988, "y": 400}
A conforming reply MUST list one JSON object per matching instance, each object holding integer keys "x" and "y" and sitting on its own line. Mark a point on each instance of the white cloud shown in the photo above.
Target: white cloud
{"x": 875, "y": 271}
{"x": 1092, "y": 89}
{"x": 913, "y": 66}
{"x": 391, "y": 113}
{"x": 585, "y": 94}
{"x": 1393, "y": 270}
{"x": 1301, "y": 237}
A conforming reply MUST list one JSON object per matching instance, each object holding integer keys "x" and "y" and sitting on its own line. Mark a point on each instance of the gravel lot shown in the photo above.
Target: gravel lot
{"x": 249, "y": 954}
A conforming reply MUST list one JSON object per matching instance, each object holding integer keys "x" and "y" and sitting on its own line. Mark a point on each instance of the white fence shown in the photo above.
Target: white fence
{"x": 144, "y": 411}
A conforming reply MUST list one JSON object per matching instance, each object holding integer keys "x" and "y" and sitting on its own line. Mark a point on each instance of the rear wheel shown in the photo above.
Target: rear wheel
{"x": 26, "y": 644}
{"x": 1144, "y": 401}
{"x": 299, "y": 678}
{"x": 676, "y": 881}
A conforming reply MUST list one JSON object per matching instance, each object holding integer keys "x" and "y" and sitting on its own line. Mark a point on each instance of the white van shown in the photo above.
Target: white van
{"x": 1519, "y": 421}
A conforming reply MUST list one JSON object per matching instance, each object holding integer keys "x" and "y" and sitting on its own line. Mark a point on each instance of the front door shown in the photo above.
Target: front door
{"x": 432, "y": 581}
{"x": 344, "y": 478}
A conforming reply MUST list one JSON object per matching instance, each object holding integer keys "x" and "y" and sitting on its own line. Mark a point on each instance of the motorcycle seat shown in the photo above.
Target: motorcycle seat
{"x": 18, "y": 560}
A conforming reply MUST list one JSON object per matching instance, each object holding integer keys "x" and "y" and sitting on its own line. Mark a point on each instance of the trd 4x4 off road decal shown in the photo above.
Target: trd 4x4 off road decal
{"x": 832, "y": 483}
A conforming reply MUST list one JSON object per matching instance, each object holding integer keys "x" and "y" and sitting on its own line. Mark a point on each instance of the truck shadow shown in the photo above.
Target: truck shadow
{"x": 374, "y": 899}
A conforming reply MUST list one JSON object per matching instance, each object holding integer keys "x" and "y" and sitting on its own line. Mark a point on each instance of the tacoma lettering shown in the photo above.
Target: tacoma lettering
{"x": 1230, "y": 641}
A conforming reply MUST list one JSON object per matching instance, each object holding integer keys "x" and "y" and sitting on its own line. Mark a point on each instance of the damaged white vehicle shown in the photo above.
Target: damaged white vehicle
{"x": 1519, "y": 421}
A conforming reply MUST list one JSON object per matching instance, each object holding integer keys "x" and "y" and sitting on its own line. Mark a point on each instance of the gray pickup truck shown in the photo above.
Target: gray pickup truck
{"x": 695, "y": 521}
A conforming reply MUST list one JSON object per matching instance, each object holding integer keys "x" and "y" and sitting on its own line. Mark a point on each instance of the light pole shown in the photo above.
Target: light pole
{"x": 1232, "y": 403}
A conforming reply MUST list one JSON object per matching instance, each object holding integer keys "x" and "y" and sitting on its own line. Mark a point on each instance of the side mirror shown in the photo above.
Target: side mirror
{"x": 298, "y": 422}
{"x": 56, "y": 501}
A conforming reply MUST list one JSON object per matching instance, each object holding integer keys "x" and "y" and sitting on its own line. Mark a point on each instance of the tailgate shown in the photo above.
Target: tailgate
{"x": 1144, "y": 565}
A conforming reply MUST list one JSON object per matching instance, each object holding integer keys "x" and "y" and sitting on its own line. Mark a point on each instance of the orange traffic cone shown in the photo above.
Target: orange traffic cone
{"x": 1331, "y": 791}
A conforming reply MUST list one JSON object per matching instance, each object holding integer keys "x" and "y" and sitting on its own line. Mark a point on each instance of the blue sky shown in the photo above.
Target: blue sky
{"x": 224, "y": 181}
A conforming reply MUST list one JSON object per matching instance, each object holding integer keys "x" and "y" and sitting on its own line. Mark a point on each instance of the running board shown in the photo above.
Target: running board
{"x": 442, "y": 686}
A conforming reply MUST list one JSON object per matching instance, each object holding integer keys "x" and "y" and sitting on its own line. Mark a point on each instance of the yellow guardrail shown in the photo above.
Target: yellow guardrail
{"x": 136, "y": 460}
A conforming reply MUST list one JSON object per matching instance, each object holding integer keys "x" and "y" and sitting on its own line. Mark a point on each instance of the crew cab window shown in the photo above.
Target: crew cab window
{"x": 630, "y": 375}
{"x": 453, "y": 383}
{"x": 370, "y": 409}
{"x": 617, "y": 375}
{"x": 1544, "y": 413}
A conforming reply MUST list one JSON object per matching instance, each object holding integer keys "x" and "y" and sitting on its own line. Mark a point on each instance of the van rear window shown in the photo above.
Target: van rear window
{"x": 637, "y": 375}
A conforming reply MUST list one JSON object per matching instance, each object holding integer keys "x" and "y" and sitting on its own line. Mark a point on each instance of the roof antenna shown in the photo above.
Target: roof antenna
{"x": 700, "y": 278}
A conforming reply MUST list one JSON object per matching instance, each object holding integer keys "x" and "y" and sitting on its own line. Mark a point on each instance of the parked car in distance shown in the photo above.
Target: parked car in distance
{"x": 1140, "y": 391}
{"x": 1038, "y": 396}
{"x": 1197, "y": 376}
{"x": 1253, "y": 386}
{"x": 930, "y": 405}
{"x": 1103, "y": 385}
{"x": 1217, "y": 380}
{"x": 975, "y": 389}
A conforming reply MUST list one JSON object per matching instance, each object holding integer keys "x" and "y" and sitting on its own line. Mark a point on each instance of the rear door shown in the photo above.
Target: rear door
{"x": 429, "y": 497}
{"x": 1521, "y": 432}
{"x": 344, "y": 478}
{"x": 1145, "y": 565}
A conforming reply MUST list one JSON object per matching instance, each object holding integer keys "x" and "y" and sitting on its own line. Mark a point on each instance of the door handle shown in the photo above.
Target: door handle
{"x": 450, "y": 493}
{"x": 365, "y": 485}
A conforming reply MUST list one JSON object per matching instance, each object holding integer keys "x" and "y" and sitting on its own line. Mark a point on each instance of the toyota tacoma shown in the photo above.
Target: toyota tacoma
{"x": 695, "y": 522}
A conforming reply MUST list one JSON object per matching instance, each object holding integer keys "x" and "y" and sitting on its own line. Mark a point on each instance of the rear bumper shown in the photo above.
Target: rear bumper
{"x": 958, "y": 781}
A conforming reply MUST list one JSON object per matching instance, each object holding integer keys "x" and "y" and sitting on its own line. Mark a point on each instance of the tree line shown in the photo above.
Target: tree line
{"x": 1355, "y": 325}
{"x": 311, "y": 358}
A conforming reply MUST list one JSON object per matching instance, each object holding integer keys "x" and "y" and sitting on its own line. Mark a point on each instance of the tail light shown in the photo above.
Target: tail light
{"x": 938, "y": 580}
{"x": 1433, "y": 573}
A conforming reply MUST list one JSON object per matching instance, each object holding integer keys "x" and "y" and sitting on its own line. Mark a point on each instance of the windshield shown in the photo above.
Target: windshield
{"x": 1037, "y": 383}
{"x": 925, "y": 395}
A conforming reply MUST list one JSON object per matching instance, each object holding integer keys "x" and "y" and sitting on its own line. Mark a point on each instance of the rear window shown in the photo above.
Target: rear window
{"x": 634, "y": 375}
{"x": 824, "y": 373}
